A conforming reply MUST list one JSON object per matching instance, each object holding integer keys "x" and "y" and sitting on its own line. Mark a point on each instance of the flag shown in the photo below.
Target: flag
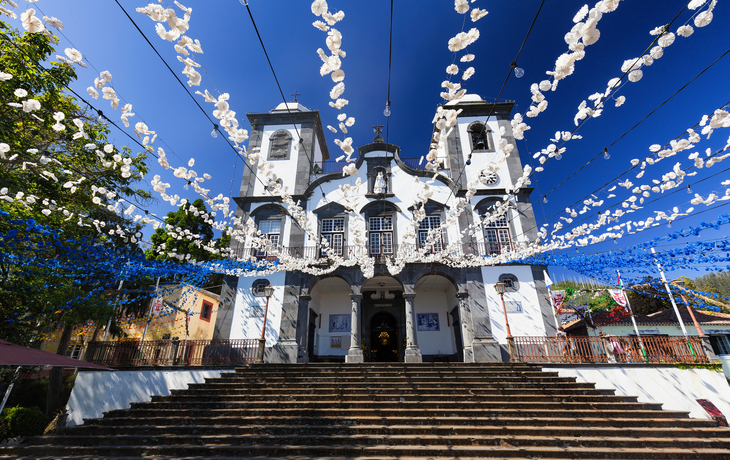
{"x": 558, "y": 299}
{"x": 618, "y": 296}
{"x": 548, "y": 281}
{"x": 618, "y": 279}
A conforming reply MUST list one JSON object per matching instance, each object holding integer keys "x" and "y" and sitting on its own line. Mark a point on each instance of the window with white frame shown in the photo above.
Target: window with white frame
{"x": 430, "y": 223}
{"x": 74, "y": 350}
{"x": 381, "y": 235}
{"x": 271, "y": 230}
{"x": 333, "y": 232}
{"x": 497, "y": 236}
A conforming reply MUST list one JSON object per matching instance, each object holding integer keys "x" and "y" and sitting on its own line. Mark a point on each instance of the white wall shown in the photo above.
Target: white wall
{"x": 480, "y": 160}
{"x": 332, "y": 302}
{"x": 284, "y": 169}
{"x": 96, "y": 392}
{"x": 435, "y": 342}
{"x": 676, "y": 389}
{"x": 527, "y": 323}
{"x": 243, "y": 326}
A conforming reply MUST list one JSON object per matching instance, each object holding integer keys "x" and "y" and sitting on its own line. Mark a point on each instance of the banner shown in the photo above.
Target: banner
{"x": 558, "y": 298}
{"x": 157, "y": 306}
{"x": 618, "y": 296}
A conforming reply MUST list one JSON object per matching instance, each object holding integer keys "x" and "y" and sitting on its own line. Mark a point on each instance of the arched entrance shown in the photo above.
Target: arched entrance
{"x": 384, "y": 338}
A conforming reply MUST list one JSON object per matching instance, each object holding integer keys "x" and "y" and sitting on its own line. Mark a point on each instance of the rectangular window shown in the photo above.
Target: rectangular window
{"x": 721, "y": 344}
{"x": 206, "y": 311}
{"x": 430, "y": 223}
{"x": 333, "y": 231}
{"x": 381, "y": 235}
{"x": 74, "y": 350}
{"x": 271, "y": 230}
{"x": 497, "y": 237}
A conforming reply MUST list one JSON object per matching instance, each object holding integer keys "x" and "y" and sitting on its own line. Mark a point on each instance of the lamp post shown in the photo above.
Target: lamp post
{"x": 268, "y": 292}
{"x": 510, "y": 340}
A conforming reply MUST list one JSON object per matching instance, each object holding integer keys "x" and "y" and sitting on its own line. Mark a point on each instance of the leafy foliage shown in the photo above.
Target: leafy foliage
{"x": 60, "y": 180}
{"x": 715, "y": 282}
{"x": 22, "y": 421}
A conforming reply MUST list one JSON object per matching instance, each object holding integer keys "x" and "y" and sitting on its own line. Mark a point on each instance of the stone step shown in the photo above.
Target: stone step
{"x": 393, "y": 397}
{"x": 370, "y": 372}
{"x": 378, "y": 378}
{"x": 334, "y": 404}
{"x": 391, "y": 430}
{"x": 328, "y": 419}
{"x": 268, "y": 451}
{"x": 291, "y": 440}
{"x": 205, "y": 392}
{"x": 390, "y": 385}
{"x": 389, "y": 412}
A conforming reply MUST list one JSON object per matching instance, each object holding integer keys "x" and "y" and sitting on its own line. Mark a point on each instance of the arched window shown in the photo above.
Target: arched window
{"x": 481, "y": 138}
{"x": 280, "y": 145}
{"x": 257, "y": 287}
{"x": 511, "y": 283}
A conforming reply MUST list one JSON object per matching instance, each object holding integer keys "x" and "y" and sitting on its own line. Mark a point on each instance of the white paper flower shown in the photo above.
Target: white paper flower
{"x": 321, "y": 26}
{"x": 5, "y": 76}
{"x": 477, "y": 14}
{"x": 657, "y": 52}
{"x": 53, "y": 22}
{"x": 666, "y": 40}
{"x": 703, "y": 18}
{"x": 319, "y": 7}
{"x": 31, "y": 105}
{"x": 620, "y": 100}
{"x": 20, "y": 92}
{"x": 337, "y": 91}
{"x": 191, "y": 163}
{"x": 73, "y": 54}
{"x": 461, "y": 6}
{"x": 334, "y": 130}
{"x": 58, "y": 127}
{"x": 635, "y": 75}
{"x": 30, "y": 22}
{"x": 10, "y": 13}
{"x": 4, "y": 148}
{"x": 338, "y": 75}
{"x": 467, "y": 58}
{"x": 453, "y": 69}
{"x": 349, "y": 122}
{"x": 685, "y": 31}
{"x": 349, "y": 170}
{"x": 468, "y": 73}
{"x": 93, "y": 92}
{"x": 46, "y": 212}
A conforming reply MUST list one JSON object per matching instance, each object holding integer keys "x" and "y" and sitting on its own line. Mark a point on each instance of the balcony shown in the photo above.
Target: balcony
{"x": 485, "y": 249}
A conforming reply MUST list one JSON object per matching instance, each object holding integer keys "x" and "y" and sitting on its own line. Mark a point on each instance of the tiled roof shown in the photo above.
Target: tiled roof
{"x": 662, "y": 318}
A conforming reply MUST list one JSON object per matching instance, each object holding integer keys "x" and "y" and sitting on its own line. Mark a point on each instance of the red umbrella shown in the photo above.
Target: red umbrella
{"x": 15, "y": 355}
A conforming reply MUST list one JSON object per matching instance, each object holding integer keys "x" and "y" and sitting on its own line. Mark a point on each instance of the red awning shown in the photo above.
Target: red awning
{"x": 15, "y": 355}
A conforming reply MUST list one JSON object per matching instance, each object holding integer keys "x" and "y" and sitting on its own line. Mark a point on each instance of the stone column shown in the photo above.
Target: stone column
{"x": 412, "y": 353}
{"x": 303, "y": 328}
{"x": 465, "y": 317}
{"x": 354, "y": 354}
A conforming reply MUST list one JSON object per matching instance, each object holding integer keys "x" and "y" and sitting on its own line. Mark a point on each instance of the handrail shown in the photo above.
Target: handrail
{"x": 172, "y": 352}
{"x": 610, "y": 349}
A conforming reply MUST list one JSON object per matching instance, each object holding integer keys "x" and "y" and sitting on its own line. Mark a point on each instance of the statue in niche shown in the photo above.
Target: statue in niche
{"x": 380, "y": 185}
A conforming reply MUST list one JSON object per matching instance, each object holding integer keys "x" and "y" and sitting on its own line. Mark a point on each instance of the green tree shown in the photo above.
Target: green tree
{"x": 62, "y": 179}
{"x": 185, "y": 235}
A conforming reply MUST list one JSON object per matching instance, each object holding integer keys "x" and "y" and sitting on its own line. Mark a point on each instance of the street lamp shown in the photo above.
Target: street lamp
{"x": 510, "y": 340}
{"x": 268, "y": 292}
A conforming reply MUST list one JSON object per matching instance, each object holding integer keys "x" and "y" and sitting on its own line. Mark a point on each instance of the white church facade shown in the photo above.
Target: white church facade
{"x": 429, "y": 311}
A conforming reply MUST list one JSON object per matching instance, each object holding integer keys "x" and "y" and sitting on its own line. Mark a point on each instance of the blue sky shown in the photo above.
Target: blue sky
{"x": 234, "y": 63}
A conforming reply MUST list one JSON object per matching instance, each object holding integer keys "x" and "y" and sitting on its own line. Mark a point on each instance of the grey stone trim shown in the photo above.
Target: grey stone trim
{"x": 548, "y": 316}
{"x": 226, "y": 307}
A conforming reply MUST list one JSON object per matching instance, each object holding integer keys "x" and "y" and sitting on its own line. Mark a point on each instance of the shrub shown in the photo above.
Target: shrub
{"x": 22, "y": 421}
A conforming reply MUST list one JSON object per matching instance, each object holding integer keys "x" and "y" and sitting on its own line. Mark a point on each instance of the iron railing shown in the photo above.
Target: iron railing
{"x": 655, "y": 349}
{"x": 349, "y": 252}
{"x": 173, "y": 352}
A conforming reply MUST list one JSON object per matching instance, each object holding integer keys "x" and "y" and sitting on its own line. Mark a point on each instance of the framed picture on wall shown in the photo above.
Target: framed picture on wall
{"x": 427, "y": 322}
{"x": 339, "y": 323}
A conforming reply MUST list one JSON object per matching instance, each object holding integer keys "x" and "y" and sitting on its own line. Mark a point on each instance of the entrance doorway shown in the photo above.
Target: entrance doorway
{"x": 384, "y": 338}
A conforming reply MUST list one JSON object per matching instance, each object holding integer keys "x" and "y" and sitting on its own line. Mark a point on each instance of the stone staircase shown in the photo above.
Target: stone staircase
{"x": 387, "y": 411}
